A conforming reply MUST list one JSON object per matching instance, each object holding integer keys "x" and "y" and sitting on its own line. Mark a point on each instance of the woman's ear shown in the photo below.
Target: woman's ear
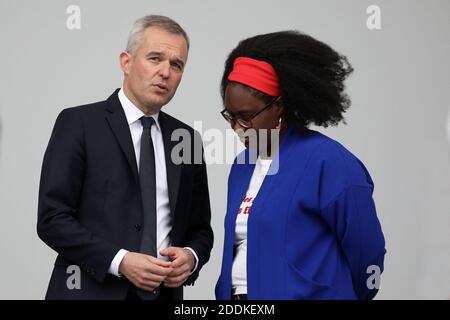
{"x": 279, "y": 105}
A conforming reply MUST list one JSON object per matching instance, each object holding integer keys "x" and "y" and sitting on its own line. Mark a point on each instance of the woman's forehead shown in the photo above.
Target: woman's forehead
{"x": 237, "y": 95}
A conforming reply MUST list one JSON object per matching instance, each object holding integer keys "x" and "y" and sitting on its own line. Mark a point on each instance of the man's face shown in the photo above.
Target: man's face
{"x": 153, "y": 72}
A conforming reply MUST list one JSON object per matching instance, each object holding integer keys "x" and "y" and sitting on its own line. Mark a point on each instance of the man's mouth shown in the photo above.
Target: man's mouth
{"x": 161, "y": 87}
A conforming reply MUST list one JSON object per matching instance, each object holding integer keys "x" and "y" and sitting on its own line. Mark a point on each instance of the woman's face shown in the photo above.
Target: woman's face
{"x": 241, "y": 103}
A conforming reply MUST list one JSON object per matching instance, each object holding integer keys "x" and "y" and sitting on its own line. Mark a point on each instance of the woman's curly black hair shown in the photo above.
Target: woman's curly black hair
{"x": 311, "y": 76}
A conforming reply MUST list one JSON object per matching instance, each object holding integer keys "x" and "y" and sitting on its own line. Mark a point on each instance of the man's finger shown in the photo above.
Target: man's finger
{"x": 177, "y": 272}
{"x": 169, "y": 252}
{"x": 178, "y": 262}
{"x": 158, "y": 270}
{"x": 160, "y": 262}
{"x": 173, "y": 285}
{"x": 180, "y": 278}
{"x": 153, "y": 277}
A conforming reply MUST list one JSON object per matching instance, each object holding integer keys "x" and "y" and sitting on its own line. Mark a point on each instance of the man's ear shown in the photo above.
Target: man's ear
{"x": 125, "y": 61}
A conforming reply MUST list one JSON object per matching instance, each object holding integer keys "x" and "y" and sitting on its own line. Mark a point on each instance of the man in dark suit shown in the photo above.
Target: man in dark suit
{"x": 114, "y": 201}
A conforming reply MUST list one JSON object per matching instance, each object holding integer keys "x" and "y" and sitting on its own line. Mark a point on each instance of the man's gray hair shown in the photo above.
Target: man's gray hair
{"x": 165, "y": 23}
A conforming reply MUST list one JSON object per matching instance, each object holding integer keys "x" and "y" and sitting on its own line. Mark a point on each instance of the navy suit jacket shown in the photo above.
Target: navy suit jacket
{"x": 313, "y": 232}
{"x": 90, "y": 202}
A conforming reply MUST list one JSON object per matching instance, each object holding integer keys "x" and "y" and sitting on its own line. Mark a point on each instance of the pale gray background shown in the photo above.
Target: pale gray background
{"x": 398, "y": 124}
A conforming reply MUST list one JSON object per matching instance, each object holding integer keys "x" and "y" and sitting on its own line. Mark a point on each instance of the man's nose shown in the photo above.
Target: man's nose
{"x": 164, "y": 70}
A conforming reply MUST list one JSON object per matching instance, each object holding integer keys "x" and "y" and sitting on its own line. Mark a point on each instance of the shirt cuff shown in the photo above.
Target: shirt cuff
{"x": 115, "y": 263}
{"x": 196, "y": 259}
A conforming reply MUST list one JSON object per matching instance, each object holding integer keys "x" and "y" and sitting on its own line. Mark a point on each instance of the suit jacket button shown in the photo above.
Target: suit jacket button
{"x": 137, "y": 227}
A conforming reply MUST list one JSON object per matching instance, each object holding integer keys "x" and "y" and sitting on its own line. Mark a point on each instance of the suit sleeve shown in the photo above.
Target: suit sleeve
{"x": 60, "y": 193}
{"x": 352, "y": 217}
{"x": 200, "y": 235}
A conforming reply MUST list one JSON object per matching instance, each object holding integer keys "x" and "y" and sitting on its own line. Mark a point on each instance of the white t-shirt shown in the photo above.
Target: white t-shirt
{"x": 239, "y": 269}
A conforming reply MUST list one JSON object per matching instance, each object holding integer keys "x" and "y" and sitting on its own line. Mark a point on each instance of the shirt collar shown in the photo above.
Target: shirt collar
{"x": 132, "y": 112}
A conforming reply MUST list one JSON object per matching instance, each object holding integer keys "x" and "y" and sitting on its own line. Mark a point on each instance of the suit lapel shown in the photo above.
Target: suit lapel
{"x": 119, "y": 125}
{"x": 173, "y": 170}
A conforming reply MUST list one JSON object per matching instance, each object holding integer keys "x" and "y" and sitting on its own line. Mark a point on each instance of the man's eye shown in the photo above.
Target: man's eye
{"x": 177, "y": 66}
{"x": 155, "y": 59}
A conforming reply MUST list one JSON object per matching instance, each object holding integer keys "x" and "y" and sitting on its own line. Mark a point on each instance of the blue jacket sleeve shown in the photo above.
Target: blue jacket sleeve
{"x": 352, "y": 217}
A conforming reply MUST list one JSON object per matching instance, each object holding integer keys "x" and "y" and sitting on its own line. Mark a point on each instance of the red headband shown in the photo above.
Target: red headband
{"x": 256, "y": 74}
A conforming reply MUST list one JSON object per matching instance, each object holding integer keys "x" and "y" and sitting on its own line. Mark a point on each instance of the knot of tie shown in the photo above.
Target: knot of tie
{"x": 147, "y": 122}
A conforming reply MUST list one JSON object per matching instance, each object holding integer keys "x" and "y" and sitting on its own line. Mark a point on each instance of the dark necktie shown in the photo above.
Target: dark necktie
{"x": 147, "y": 180}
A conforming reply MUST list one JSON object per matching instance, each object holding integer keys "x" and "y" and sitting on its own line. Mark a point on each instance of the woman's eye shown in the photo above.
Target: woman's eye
{"x": 245, "y": 117}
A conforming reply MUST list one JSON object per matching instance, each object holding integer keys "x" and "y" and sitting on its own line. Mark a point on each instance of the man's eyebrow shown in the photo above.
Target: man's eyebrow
{"x": 154, "y": 53}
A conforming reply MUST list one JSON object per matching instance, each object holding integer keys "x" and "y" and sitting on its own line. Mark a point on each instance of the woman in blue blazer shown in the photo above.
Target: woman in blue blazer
{"x": 301, "y": 222}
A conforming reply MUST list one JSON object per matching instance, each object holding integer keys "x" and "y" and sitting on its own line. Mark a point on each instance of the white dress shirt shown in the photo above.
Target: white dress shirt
{"x": 163, "y": 217}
